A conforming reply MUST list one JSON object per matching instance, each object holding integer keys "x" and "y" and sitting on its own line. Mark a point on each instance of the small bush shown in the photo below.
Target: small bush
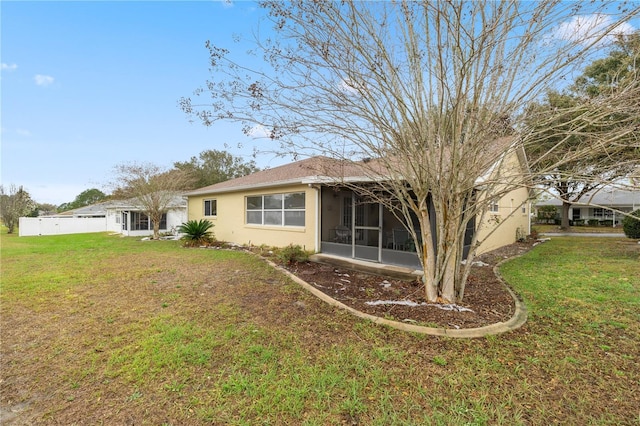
{"x": 292, "y": 254}
{"x": 594, "y": 222}
{"x": 547, "y": 214}
{"x": 631, "y": 225}
{"x": 196, "y": 233}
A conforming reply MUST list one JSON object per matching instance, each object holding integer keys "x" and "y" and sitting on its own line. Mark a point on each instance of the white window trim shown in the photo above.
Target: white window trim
{"x": 494, "y": 206}
{"x": 204, "y": 207}
{"x": 283, "y": 210}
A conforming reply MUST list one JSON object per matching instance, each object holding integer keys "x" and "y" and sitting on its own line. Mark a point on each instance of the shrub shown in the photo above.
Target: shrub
{"x": 631, "y": 225}
{"x": 547, "y": 214}
{"x": 196, "y": 232}
{"x": 594, "y": 222}
{"x": 292, "y": 254}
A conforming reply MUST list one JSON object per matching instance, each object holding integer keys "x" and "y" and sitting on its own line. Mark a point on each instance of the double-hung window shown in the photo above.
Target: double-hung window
{"x": 494, "y": 207}
{"x": 276, "y": 209}
{"x": 210, "y": 207}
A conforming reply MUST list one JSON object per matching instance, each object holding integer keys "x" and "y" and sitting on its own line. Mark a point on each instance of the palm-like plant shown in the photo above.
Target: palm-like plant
{"x": 196, "y": 232}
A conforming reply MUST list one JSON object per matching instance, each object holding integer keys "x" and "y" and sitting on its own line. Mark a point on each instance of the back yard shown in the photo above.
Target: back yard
{"x": 100, "y": 329}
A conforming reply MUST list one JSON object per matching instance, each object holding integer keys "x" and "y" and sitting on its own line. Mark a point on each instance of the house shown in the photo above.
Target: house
{"x": 126, "y": 217}
{"x": 296, "y": 204}
{"x": 122, "y": 217}
{"x": 598, "y": 207}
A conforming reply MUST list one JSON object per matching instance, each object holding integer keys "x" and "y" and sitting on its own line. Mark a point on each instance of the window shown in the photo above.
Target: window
{"x": 276, "y": 209}
{"x": 141, "y": 222}
{"x": 211, "y": 207}
{"x": 602, "y": 213}
{"x": 494, "y": 207}
{"x": 575, "y": 213}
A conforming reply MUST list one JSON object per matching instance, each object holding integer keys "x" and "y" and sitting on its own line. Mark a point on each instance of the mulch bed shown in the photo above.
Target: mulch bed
{"x": 486, "y": 300}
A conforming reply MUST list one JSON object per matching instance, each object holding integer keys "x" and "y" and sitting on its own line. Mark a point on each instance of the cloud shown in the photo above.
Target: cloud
{"x": 258, "y": 132}
{"x": 583, "y": 29}
{"x": 9, "y": 67}
{"x": 43, "y": 80}
{"x": 23, "y": 132}
{"x": 351, "y": 87}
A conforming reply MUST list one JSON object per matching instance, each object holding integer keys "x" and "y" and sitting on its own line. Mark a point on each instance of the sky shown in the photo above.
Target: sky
{"x": 86, "y": 86}
{"x": 89, "y": 85}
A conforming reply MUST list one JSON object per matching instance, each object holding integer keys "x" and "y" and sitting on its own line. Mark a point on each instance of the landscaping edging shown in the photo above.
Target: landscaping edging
{"x": 517, "y": 320}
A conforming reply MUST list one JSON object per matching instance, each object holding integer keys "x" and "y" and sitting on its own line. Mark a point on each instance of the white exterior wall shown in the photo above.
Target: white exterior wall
{"x": 175, "y": 218}
{"x": 114, "y": 220}
{"x": 29, "y": 226}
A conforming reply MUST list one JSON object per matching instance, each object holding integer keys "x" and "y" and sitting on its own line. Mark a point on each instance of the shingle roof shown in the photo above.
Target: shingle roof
{"x": 604, "y": 197}
{"x": 303, "y": 171}
{"x": 325, "y": 169}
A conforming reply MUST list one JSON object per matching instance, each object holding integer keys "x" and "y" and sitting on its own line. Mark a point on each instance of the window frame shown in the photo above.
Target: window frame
{"x": 213, "y": 207}
{"x": 264, "y": 207}
{"x": 494, "y": 206}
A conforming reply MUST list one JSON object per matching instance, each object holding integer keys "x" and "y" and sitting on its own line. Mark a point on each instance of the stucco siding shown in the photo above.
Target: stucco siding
{"x": 512, "y": 219}
{"x": 230, "y": 222}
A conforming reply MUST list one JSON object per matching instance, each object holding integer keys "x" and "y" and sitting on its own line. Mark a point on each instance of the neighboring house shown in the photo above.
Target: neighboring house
{"x": 295, "y": 204}
{"x": 126, "y": 218}
{"x": 122, "y": 217}
{"x": 598, "y": 207}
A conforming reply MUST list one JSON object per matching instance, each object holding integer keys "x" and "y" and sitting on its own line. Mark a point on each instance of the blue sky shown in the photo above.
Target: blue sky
{"x": 88, "y": 85}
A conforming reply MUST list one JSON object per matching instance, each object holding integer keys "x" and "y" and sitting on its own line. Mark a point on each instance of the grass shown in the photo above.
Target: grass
{"x": 101, "y": 329}
{"x": 579, "y": 229}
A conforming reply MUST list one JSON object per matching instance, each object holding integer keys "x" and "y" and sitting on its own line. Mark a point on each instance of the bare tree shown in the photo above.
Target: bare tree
{"x": 430, "y": 90}
{"x": 151, "y": 188}
{"x": 613, "y": 73}
{"x": 15, "y": 202}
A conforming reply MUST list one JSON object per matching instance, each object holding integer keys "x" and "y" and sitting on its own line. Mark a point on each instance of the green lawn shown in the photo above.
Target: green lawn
{"x": 100, "y": 329}
{"x": 580, "y": 229}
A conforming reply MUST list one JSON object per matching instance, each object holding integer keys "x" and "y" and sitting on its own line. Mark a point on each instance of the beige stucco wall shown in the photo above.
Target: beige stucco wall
{"x": 513, "y": 216}
{"x": 230, "y": 223}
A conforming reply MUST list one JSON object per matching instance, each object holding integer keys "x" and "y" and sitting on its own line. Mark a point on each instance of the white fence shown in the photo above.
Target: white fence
{"x": 29, "y": 226}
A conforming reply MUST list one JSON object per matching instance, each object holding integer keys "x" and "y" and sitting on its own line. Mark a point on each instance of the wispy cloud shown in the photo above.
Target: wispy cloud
{"x": 9, "y": 67}
{"x": 23, "y": 132}
{"x": 43, "y": 80}
{"x": 258, "y": 132}
{"x": 583, "y": 29}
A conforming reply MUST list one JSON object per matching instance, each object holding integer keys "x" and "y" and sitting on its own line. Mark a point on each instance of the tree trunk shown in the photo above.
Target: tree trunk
{"x": 440, "y": 265}
{"x": 428, "y": 255}
{"x": 564, "y": 224}
{"x": 449, "y": 279}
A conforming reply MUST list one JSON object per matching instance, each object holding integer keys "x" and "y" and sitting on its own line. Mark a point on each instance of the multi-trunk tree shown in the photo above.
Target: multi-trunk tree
{"x": 151, "y": 188}
{"x": 432, "y": 91}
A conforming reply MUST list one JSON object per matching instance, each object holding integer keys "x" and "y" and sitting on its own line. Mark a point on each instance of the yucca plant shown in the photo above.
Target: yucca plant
{"x": 196, "y": 232}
